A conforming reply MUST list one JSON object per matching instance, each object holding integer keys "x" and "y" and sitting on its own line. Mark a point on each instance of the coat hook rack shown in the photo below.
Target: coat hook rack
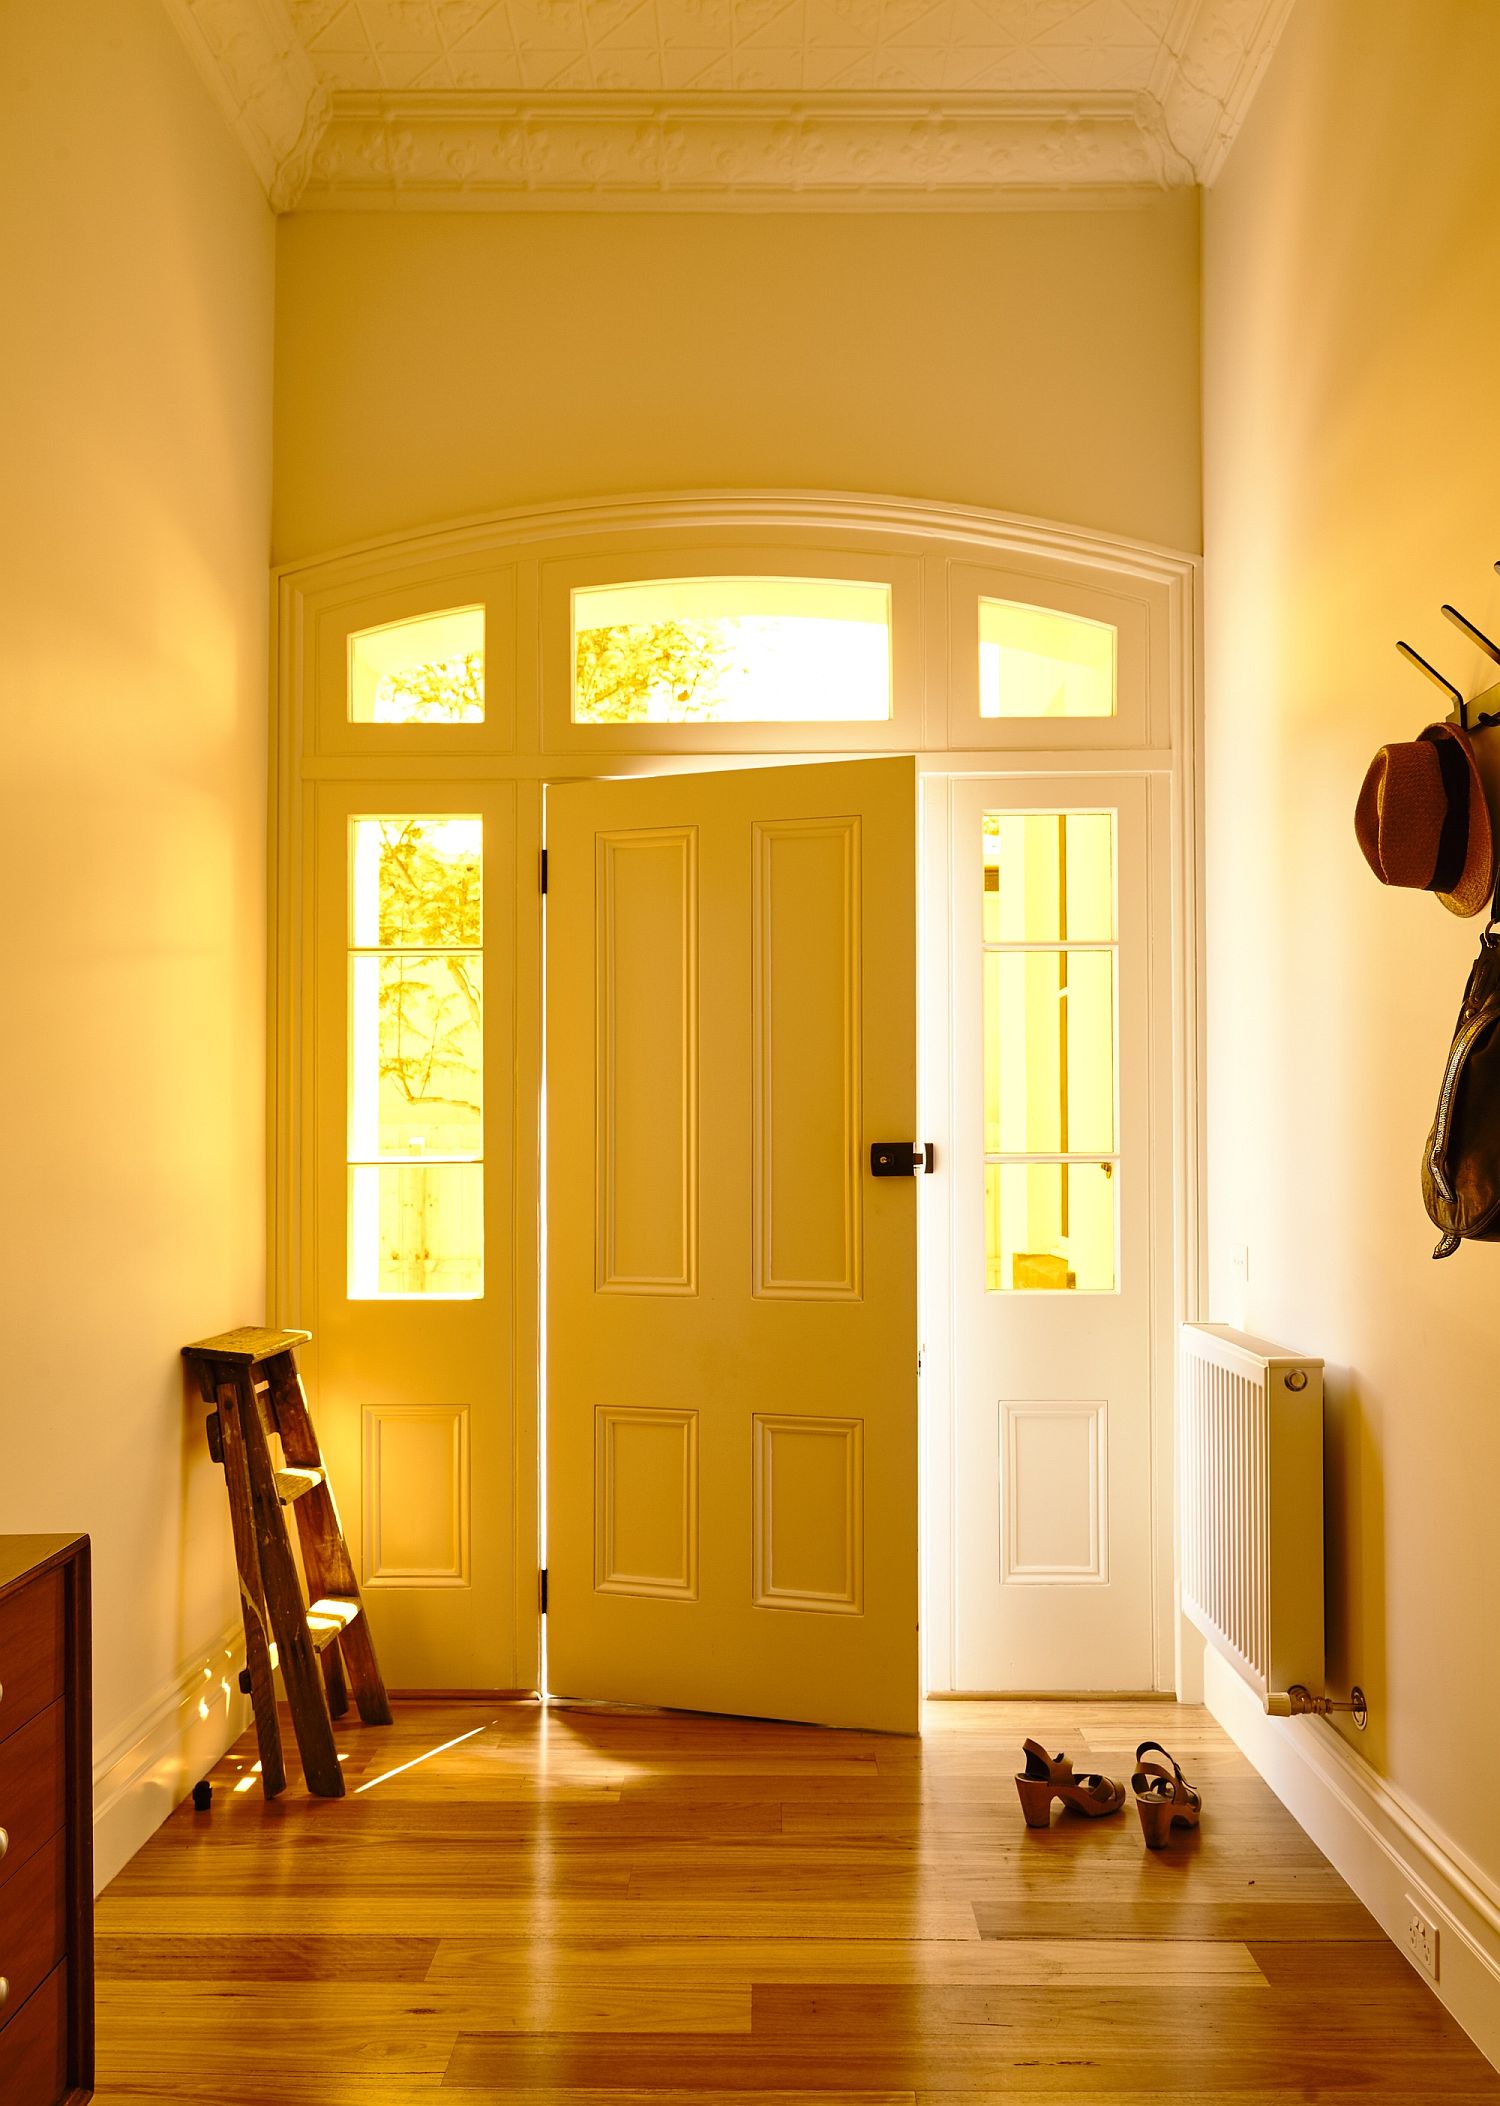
{"x": 1483, "y": 718}
{"x": 1432, "y": 673}
{"x": 1486, "y": 644}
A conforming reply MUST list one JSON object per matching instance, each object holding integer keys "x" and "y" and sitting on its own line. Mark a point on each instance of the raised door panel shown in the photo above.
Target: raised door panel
{"x": 809, "y": 1497}
{"x": 417, "y": 1495}
{"x": 646, "y": 1501}
{"x": 805, "y": 1199}
{"x": 646, "y": 1119}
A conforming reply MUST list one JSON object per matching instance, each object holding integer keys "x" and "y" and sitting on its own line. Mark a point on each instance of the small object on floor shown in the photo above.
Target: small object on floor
{"x": 250, "y": 1379}
{"x": 203, "y": 1795}
{"x": 1163, "y": 1797}
{"x": 1048, "y": 1777}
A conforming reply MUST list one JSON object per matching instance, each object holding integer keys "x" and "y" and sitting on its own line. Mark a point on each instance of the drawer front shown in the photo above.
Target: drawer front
{"x": 31, "y": 1651}
{"x": 33, "y": 1927}
{"x": 33, "y": 1789}
{"x": 34, "y": 2048}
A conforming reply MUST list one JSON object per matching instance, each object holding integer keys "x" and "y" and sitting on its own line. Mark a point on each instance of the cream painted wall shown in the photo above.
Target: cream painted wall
{"x": 430, "y": 367}
{"x": 135, "y": 368}
{"x": 1352, "y": 484}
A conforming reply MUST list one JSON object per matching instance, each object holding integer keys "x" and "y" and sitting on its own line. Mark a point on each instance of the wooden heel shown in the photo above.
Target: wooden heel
{"x": 1048, "y": 1777}
{"x": 1035, "y": 1795}
{"x": 1156, "y": 1821}
{"x": 1164, "y": 1798}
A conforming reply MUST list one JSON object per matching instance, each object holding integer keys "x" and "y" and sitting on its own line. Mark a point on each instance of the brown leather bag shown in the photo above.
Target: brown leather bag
{"x": 1461, "y": 1165}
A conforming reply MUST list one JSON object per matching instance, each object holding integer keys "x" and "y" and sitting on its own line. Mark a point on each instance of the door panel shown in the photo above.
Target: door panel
{"x": 1055, "y": 1275}
{"x": 732, "y": 1345}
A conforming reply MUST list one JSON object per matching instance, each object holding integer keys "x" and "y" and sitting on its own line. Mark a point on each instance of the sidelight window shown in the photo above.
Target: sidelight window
{"x": 1050, "y": 973}
{"x": 416, "y": 1058}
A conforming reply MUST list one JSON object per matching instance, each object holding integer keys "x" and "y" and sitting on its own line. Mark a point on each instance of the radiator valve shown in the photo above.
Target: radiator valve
{"x": 1301, "y": 1701}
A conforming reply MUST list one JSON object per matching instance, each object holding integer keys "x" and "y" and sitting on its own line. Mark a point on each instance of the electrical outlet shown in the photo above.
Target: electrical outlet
{"x": 1239, "y": 1262}
{"x": 1422, "y": 1940}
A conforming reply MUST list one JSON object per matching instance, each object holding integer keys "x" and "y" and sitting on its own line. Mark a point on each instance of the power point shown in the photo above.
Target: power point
{"x": 1422, "y": 1940}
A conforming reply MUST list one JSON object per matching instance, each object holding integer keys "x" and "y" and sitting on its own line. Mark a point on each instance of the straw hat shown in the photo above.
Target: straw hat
{"x": 1422, "y": 821}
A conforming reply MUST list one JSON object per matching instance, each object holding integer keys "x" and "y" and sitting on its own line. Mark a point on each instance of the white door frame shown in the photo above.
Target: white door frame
{"x": 941, "y": 1399}
{"x": 942, "y": 546}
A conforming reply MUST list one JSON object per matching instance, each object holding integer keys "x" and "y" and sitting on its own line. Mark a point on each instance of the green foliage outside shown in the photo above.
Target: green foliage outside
{"x": 442, "y": 691}
{"x": 430, "y": 1042}
{"x": 647, "y": 672}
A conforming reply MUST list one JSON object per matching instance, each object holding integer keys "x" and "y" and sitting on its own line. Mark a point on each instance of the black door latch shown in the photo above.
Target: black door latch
{"x": 900, "y": 1158}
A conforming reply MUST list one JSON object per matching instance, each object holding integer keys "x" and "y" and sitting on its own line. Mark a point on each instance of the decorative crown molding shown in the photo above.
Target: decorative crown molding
{"x": 263, "y": 80}
{"x": 1103, "y": 112}
{"x": 1213, "y": 59}
{"x": 736, "y": 152}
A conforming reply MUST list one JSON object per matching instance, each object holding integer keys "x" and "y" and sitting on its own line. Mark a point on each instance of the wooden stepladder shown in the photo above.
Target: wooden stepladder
{"x": 249, "y": 1377}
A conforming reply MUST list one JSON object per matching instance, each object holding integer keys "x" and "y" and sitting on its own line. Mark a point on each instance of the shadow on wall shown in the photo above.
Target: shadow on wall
{"x": 1354, "y": 1557}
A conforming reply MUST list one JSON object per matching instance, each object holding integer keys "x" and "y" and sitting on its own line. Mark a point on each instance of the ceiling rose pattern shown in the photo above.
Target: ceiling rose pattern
{"x": 740, "y": 46}
{"x": 727, "y": 104}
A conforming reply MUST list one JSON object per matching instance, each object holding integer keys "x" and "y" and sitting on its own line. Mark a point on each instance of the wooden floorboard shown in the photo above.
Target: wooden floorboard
{"x": 576, "y": 1906}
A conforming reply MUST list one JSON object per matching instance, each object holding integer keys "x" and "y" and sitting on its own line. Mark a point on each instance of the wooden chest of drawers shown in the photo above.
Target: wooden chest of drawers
{"x": 46, "y": 1822}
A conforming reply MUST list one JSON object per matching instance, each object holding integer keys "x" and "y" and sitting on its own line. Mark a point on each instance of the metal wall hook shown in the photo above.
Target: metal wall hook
{"x": 1433, "y": 674}
{"x": 1476, "y": 636}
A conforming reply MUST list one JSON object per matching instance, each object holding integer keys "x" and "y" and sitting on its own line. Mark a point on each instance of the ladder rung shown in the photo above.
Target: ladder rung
{"x": 329, "y": 1617}
{"x": 291, "y": 1484}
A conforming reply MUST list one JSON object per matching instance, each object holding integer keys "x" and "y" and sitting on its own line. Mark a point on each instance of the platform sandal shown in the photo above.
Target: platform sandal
{"x": 1048, "y": 1777}
{"x": 1163, "y": 1797}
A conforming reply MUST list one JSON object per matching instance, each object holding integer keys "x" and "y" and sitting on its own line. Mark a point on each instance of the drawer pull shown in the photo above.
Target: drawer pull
{"x": 4, "y": 1842}
{"x": 4, "y": 1992}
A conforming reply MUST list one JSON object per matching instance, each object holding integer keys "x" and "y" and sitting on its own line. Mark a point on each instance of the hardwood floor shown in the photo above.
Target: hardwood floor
{"x": 602, "y": 1908}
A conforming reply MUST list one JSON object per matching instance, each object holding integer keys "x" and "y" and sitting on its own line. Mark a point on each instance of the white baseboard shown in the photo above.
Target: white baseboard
{"x": 1388, "y": 1852}
{"x": 158, "y": 1755}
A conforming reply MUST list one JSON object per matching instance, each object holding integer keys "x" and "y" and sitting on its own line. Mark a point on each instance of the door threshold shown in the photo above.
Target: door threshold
{"x": 1051, "y": 1696}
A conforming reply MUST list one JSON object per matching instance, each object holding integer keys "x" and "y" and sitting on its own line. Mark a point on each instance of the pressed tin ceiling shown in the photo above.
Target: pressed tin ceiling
{"x": 730, "y": 104}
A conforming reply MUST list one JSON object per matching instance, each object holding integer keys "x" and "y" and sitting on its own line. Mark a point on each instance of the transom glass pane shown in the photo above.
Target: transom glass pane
{"x": 732, "y": 651}
{"x": 416, "y": 1058}
{"x": 1034, "y": 662}
{"x": 428, "y": 671}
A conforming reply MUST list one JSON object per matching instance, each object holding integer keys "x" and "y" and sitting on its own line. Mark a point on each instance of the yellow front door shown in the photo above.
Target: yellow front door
{"x": 732, "y": 1296}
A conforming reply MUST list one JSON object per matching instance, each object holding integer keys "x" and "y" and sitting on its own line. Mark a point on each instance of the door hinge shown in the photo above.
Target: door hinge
{"x": 544, "y": 870}
{"x": 544, "y": 1590}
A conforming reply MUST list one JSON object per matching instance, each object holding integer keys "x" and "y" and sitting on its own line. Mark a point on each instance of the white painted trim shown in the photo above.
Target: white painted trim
{"x": 1383, "y": 1845}
{"x": 766, "y": 511}
{"x": 637, "y": 521}
{"x": 158, "y": 1755}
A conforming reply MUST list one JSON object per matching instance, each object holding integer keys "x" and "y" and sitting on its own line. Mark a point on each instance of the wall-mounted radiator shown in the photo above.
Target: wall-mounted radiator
{"x": 1250, "y": 1474}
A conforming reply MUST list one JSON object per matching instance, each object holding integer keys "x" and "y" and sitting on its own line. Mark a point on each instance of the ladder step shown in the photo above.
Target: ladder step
{"x": 291, "y": 1484}
{"x": 329, "y": 1617}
